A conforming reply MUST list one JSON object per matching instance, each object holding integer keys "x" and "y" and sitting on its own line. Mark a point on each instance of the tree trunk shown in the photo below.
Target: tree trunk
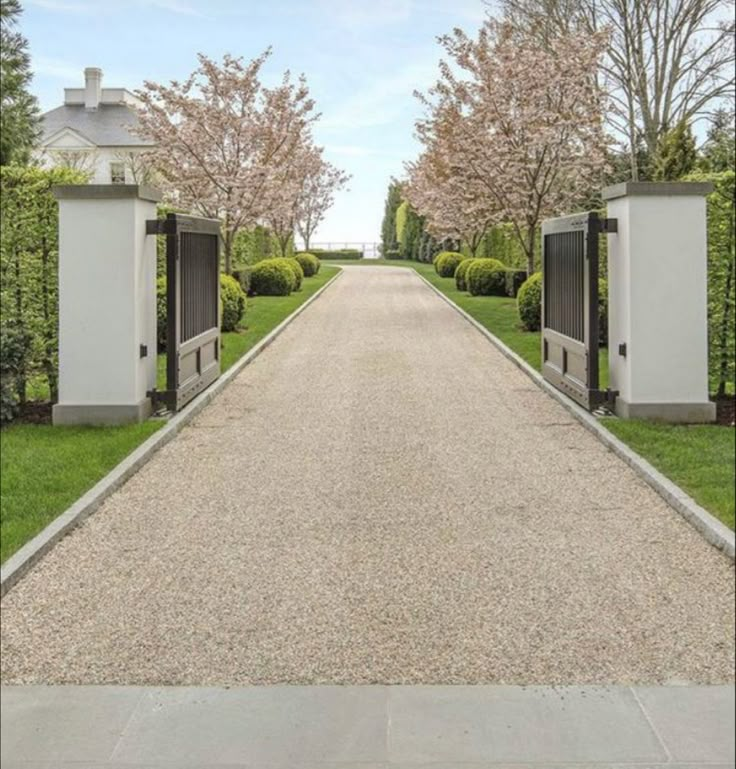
{"x": 228, "y": 242}
{"x": 531, "y": 241}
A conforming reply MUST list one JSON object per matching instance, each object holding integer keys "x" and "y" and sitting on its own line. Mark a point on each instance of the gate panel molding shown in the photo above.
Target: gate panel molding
{"x": 657, "y": 313}
{"x": 107, "y": 303}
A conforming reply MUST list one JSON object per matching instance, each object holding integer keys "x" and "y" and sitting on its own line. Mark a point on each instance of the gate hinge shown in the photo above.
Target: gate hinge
{"x": 608, "y": 225}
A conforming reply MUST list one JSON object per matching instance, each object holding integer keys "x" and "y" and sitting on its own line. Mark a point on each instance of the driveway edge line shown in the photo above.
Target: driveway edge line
{"x": 27, "y": 556}
{"x": 717, "y": 533}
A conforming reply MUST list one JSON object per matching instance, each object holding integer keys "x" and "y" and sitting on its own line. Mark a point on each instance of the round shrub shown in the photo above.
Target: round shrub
{"x": 529, "y": 302}
{"x": 486, "y": 277}
{"x": 232, "y": 301}
{"x": 272, "y": 277}
{"x": 295, "y": 267}
{"x": 309, "y": 264}
{"x": 461, "y": 274}
{"x": 161, "y": 313}
{"x": 446, "y": 262}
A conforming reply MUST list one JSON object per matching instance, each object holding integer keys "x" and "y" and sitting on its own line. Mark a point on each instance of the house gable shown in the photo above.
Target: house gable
{"x": 68, "y": 139}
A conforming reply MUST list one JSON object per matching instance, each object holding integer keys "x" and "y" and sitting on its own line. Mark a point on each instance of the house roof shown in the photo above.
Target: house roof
{"x": 107, "y": 126}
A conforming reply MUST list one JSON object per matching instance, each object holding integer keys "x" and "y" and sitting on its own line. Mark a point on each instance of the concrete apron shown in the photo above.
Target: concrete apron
{"x": 367, "y": 726}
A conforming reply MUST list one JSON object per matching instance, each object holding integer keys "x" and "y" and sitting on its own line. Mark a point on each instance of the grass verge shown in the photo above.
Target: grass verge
{"x": 701, "y": 459}
{"x": 45, "y": 469}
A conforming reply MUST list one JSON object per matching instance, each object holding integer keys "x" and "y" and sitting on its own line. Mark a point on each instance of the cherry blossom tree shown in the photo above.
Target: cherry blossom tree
{"x": 527, "y": 128}
{"x": 454, "y": 205}
{"x": 223, "y": 139}
{"x": 319, "y": 183}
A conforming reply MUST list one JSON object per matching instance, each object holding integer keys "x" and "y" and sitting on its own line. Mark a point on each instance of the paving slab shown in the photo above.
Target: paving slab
{"x": 371, "y": 727}
{"x": 381, "y": 497}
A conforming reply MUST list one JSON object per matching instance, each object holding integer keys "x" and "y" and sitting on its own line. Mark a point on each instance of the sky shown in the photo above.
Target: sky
{"x": 363, "y": 59}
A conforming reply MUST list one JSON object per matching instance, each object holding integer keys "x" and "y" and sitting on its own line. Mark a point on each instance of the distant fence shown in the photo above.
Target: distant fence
{"x": 370, "y": 250}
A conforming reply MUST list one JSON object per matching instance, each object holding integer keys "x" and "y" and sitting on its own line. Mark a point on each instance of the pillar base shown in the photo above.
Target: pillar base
{"x": 682, "y": 413}
{"x": 101, "y": 414}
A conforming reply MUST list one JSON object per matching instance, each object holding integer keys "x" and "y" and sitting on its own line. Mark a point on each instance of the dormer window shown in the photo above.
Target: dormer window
{"x": 117, "y": 173}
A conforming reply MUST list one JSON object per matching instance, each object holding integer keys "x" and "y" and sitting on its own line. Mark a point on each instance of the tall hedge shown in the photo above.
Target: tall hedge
{"x": 389, "y": 239}
{"x": 721, "y": 279}
{"x": 29, "y": 261}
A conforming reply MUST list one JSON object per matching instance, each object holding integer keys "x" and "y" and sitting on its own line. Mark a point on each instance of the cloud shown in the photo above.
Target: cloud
{"x": 61, "y": 6}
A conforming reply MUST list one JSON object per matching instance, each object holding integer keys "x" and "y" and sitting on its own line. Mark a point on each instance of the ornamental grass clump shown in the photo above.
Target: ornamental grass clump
{"x": 486, "y": 277}
{"x": 309, "y": 264}
{"x": 461, "y": 274}
{"x": 446, "y": 262}
{"x": 272, "y": 277}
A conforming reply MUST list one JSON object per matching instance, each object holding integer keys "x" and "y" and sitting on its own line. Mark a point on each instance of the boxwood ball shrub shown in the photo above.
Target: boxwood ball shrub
{"x": 446, "y": 262}
{"x": 232, "y": 302}
{"x": 309, "y": 264}
{"x": 295, "y": 267}
{"x": 461, "y": 274}
{"x": 514, "y": 281}
{"x": 486, "y": 277}
{"x": 272, "y": 277}
{"x": 529, "y": 302}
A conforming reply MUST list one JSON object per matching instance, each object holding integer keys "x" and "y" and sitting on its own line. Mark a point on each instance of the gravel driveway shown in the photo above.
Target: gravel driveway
{"x": 381, "y": 497}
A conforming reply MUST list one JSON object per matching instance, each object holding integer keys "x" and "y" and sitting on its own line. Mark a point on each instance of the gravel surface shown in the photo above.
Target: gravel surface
{"x": 381, "y": 497}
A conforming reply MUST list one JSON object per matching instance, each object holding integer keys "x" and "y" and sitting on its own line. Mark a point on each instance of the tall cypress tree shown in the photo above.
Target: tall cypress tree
{"x": 18, "y": 108}
{"x": 388, "y": 226}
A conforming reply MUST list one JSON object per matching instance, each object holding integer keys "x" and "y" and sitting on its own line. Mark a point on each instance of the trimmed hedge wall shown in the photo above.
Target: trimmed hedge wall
{"x": 338, "y": 253}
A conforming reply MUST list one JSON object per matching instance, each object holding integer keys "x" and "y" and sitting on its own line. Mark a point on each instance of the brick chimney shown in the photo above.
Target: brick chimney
{"x": 92, "y": 87}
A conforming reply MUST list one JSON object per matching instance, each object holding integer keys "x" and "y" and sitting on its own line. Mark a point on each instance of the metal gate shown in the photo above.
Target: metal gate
{"x": 192, "y": 306}
{"x": 570, "y": 306}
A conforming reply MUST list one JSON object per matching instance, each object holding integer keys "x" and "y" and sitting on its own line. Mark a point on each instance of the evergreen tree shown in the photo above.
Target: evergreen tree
{"x": 676, "y": 155}
{"x": 389, "y": 241}
{"x": 719, "y": 150}
{"x": 18, "y": 108}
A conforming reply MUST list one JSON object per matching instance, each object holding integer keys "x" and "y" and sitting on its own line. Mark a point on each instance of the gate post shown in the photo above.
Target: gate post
{"x": 658, "y": 308}
{"x": 107, "y": 304}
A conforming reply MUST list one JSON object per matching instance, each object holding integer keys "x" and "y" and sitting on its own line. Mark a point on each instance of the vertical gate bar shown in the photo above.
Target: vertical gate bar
{"x": 172, "y": 301}
{"x": 593, "y": 233}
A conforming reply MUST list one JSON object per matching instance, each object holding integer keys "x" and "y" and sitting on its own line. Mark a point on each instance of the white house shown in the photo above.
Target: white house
{"x": 91, "y": 132}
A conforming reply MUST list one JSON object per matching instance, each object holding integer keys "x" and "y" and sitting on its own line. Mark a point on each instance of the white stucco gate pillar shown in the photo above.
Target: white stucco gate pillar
{"x": 658, "y": 308}
{"x": 107, "y": 304}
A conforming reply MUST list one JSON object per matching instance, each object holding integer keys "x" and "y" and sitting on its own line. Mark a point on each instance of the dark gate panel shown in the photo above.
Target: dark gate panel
{"x": 193, "y": 302}
{"x": 570, "y": 306}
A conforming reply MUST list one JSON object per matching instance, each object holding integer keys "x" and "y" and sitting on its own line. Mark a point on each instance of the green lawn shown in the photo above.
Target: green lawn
{"x": 699, "y": 458}
{"x": 45, "y": 469}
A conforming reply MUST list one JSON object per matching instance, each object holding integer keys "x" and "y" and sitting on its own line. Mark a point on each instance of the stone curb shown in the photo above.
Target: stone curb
{"x": 21, "y": 561}
{"x": 717, "y": 533}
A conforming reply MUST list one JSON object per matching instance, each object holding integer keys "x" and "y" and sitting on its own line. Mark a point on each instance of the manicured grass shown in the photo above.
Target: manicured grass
{"x": 699, "y": 458}
{"x": 44, "y": 469}
{"x": 262, "y": 315}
